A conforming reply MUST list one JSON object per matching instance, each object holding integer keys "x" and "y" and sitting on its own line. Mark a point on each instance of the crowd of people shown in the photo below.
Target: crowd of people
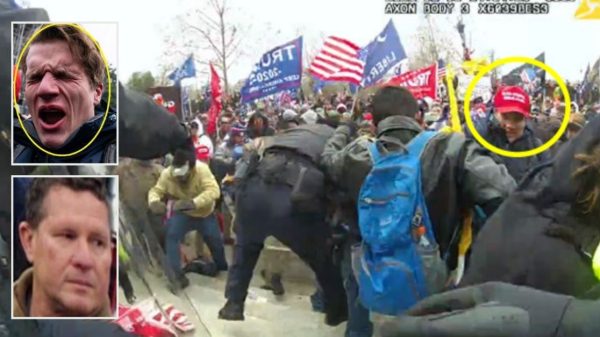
{"x": 295, "y": 172}
{"x": 411, "y": 228}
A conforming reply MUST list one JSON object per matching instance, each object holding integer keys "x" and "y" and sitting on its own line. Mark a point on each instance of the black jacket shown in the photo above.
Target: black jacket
{"x": 517, "y": 167}
{"x": 266, "y": 130}
{"x": 102, "y": 150}
{"x": 526, "y": 242}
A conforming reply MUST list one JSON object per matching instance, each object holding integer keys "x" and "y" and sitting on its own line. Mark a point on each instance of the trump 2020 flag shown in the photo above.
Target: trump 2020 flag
{"x": 278, "y": 69}
{"x": 187, "y": 69}
{"x": 383, "y": 53}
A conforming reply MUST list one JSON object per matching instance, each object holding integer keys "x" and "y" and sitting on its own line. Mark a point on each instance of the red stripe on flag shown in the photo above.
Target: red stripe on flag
{"x": 338, "y": 61}
{"x": 332, "y": 48}
{"x": 350, "y": 61}
{"x": 341, "y": 40}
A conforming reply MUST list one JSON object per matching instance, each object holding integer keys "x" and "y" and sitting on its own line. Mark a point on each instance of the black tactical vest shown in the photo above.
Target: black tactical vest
{"x": 307, "y": 140}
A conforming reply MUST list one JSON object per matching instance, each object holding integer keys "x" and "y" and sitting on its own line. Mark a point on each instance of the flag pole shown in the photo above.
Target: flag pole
{"x": 354, "y": 109}
{"x": 190, "y": 105}
{"x": 454, "y": 113}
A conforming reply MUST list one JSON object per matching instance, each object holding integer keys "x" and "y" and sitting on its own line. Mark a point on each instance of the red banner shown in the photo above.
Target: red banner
{"x": 216, "y": 104}
{"x": 421, "y": 82}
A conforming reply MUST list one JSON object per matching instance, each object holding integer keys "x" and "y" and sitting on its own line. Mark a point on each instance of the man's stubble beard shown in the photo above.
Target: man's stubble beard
{"x": 63, "y": 311}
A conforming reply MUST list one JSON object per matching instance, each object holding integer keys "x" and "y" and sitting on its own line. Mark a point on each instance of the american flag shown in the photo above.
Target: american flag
{"x": 528, "y": 76}
{"x": 338, "y": 61}
{"x": 441, "y": 72}
{"x": 525, "y": 77}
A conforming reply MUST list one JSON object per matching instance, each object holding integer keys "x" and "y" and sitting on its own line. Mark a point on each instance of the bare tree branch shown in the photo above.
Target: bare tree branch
{"x": 208, "y": 39}
{"x": 208, "y": 20}
{"x": 216, "y": 6}
{"x": 232, "y": 37}
{"x": 234, "y": 49}
{"x": 207, "y": 30}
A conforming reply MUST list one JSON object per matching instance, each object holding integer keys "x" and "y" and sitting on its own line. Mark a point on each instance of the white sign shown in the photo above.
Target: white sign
{"x": 483, "y": 88}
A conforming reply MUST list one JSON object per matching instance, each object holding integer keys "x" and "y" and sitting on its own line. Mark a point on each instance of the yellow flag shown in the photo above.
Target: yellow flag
{"x": 588, "y": 10}
{"x": 596, "y": 262}
{"x": 467, "y": 234}
{"x": 466, "y": 237}
{"x": 472, "y": 66}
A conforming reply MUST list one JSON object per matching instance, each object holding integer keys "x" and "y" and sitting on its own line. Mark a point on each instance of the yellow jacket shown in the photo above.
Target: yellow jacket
{"x": 596, "y": 263}
{"x": 202, "y": 188}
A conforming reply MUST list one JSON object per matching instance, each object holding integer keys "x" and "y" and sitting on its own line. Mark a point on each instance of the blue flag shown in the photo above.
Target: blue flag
{"x": 278, "y": 69}
{"x": 383, "y": 53}
{"x": 319, "y": 84}
{"x": 584, "y": 83}
{"x": 362, "y": 55}
{"x": 187, "y": 69}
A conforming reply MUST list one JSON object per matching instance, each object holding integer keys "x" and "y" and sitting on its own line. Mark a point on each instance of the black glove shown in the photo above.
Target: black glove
{"x": 492, "y": 310}
{"x": 158, "y": 207}
{"x": 184, "y": 205}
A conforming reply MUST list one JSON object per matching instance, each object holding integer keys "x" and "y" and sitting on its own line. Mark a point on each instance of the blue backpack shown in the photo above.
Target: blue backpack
{"x": 398, "y": 262}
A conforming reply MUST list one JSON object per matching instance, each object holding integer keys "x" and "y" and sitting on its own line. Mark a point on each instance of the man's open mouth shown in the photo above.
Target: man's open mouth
{"x": 51, "y": 117}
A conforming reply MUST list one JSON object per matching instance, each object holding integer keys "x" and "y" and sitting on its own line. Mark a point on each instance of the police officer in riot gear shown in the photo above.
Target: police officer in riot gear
{"x": 283, "y": 195}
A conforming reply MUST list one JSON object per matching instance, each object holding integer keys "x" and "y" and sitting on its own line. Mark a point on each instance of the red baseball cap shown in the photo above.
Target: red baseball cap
{"x": 202, "y": 153}
{"x": 512, "y": 99}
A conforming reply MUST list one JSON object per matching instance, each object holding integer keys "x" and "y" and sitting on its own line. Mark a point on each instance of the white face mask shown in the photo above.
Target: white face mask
{"x": 181, "y": 171}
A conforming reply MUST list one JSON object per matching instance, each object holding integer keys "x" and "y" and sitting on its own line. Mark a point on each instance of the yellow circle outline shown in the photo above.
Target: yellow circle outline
{"x": 517, "y": 154}
{"x": 16, "y": 106}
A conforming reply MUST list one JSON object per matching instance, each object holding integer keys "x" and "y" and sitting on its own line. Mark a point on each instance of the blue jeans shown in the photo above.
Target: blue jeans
{"x": 180, "y": 224}
{"x": 359, "y": 323}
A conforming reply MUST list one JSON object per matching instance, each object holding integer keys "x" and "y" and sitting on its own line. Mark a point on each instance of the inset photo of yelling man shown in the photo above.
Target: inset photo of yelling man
{"x": 64, "y": 93}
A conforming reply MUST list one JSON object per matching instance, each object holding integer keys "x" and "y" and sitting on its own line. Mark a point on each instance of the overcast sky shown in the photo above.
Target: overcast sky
{"x": 569, "y": 44}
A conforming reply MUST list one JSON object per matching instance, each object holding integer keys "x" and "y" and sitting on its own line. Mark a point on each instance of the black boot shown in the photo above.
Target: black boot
{"x": 232, "y": 311}
{"x": 272, "y": 283}
{"x": 183, "y": 281}
{"x": 131, "y": 299}
{"x": 336, "y": 314}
